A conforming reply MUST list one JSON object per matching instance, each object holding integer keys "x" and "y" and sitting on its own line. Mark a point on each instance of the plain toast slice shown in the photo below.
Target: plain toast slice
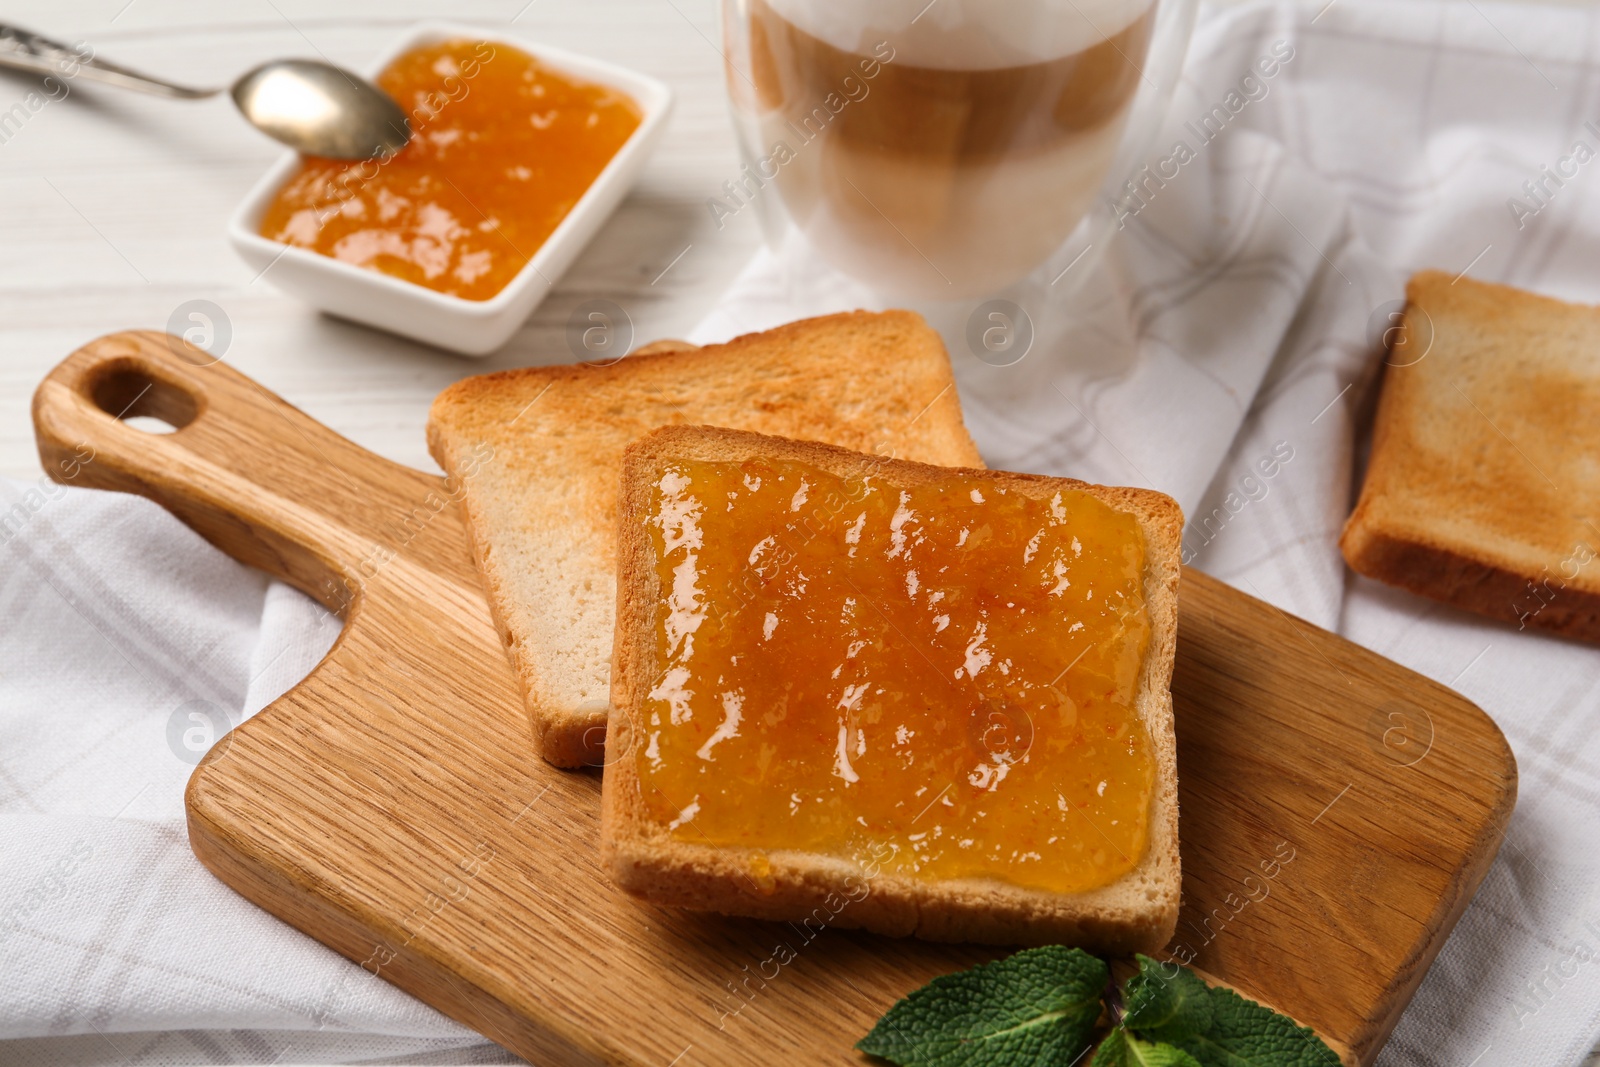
{"x": 650, "y": 857}
{"x": 537, "y": 453}
{"x": 1483, "y": 488}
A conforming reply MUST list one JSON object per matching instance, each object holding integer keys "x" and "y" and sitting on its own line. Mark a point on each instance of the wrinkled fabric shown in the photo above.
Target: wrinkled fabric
{"x": 129, "y": 646}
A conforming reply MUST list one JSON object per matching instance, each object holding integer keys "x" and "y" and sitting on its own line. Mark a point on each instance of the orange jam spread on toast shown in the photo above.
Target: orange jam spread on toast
{"x": 502, "y": 147}
{"x": 945, "y": 674}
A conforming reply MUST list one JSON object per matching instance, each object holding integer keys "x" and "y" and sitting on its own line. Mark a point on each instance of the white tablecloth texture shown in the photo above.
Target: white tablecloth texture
{"x": 1231, "y": 322}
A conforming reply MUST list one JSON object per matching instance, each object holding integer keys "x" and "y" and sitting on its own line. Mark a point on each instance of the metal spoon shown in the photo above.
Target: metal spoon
{"x": 314, "y": 107}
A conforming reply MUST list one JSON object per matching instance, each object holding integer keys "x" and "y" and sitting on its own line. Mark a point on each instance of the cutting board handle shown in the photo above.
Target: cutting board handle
{"x": 265, "y": 483}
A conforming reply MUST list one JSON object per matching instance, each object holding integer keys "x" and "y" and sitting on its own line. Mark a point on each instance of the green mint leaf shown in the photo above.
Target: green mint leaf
{"x": 1245, "y": 1034}
{"x": 1038, "y": 1007}
{"x": 1113, "y": 1051}
{"x": 1166, "y": 1002}
{"x": 1122, "y": 1049}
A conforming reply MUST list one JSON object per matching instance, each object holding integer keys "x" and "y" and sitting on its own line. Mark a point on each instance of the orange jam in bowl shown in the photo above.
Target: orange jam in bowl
{"x": 945, "y": 674}
{"x": 502, "y": 147}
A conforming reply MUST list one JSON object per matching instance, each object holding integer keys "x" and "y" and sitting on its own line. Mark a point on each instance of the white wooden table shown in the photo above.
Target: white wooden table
{"x": 113, "y": 205}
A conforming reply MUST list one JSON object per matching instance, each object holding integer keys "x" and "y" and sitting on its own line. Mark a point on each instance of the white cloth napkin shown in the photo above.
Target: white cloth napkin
{"x": 128, "y": 644}
{"x": 1230, "y": 324}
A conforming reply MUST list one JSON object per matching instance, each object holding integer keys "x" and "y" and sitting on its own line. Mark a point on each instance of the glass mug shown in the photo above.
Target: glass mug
{"x": 943, "y": 150}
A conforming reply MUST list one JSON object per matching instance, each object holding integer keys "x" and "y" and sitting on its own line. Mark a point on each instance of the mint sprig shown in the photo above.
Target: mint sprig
{"x": 1042, "y": 1006}
{"x": 1039, "y": 1006}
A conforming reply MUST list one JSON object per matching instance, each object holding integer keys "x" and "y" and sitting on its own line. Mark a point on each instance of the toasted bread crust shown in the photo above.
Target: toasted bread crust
{"x": 1139, "y": 912}
{"x": 1441, "y": 572}
{"x": 1478, "y": 488}
{"x": 542, "y": 511}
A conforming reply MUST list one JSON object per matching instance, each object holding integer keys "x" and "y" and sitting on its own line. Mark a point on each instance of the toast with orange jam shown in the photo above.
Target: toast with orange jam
{"x": 865, "y": 692}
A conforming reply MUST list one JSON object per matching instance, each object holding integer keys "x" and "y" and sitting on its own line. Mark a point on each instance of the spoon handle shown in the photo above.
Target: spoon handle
{"x": 22, "y": 49}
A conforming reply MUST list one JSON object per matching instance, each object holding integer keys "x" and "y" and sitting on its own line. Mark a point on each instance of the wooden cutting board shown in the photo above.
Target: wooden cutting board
{"x": 1338, "y": 811}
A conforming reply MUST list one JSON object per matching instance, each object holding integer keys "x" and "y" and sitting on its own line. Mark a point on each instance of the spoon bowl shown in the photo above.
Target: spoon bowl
{"x": 321, "y": 110}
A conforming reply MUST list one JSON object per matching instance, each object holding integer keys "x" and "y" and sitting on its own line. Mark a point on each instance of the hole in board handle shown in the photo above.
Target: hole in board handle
{"x": 150, "y": 424}
{"x": 127, "y": 391}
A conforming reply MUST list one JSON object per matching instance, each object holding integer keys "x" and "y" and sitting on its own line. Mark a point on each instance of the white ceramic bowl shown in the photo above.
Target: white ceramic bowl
{"x": 471, "y": 327}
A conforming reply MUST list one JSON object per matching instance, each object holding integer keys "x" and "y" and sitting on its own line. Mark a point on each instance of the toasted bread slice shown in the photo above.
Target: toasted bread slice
{"x": 542, "y": 510}
{"x": 1483, "y": 490}
{"x": 650, "y": 857}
